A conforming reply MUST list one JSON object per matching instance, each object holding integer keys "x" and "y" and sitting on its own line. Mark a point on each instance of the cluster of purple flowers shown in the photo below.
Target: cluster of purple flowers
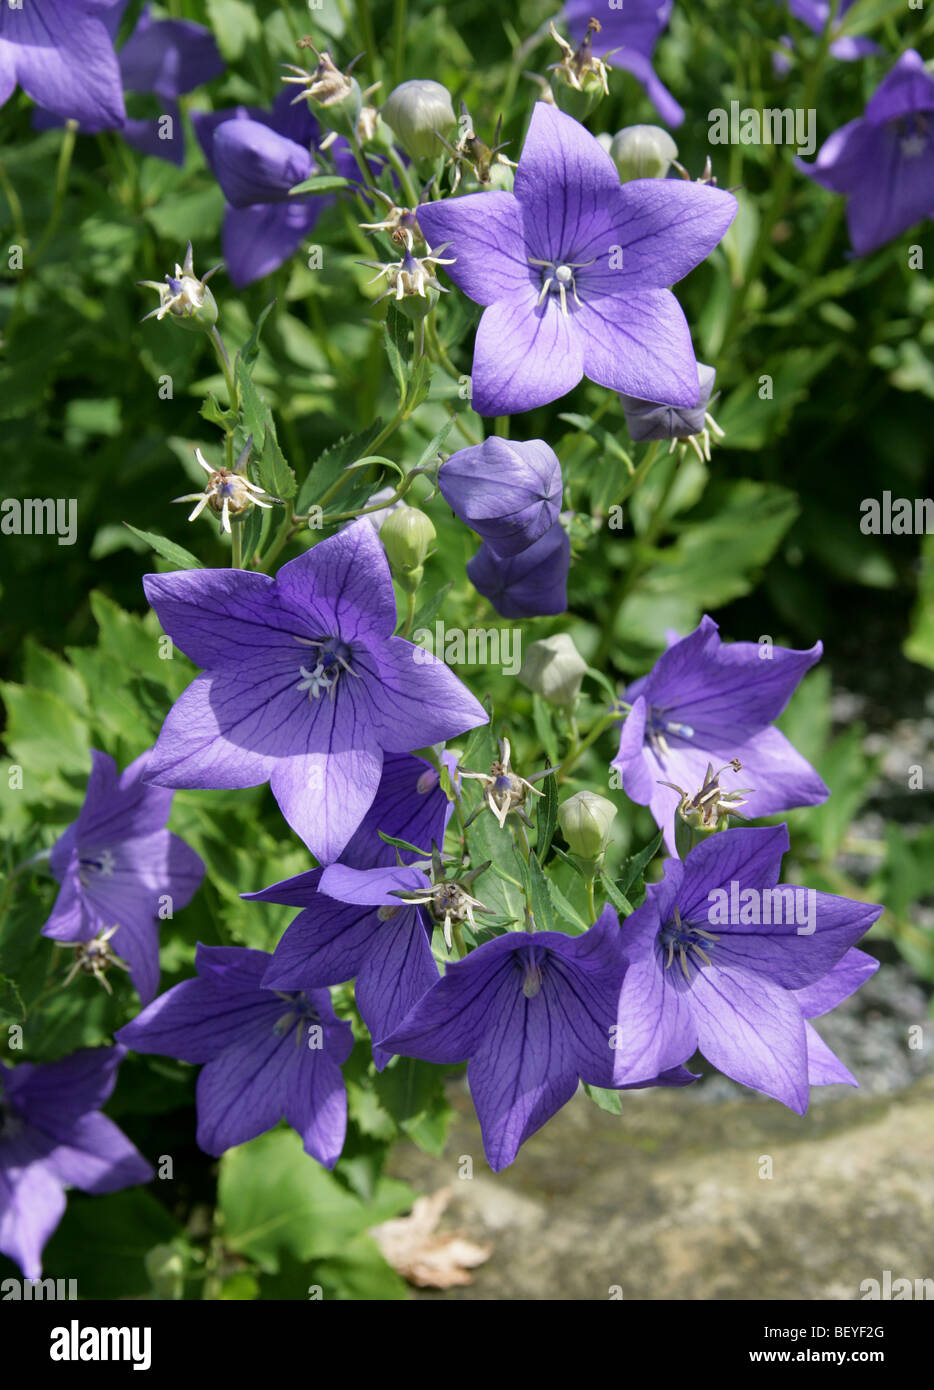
{"x": 305, "y": 685}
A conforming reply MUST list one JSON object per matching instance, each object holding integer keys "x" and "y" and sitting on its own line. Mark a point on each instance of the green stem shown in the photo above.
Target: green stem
{"x": 61, "y": 183}
{"x": 501, "y": 426}
{"x": 409, "y": 615}
{"x": 576, "y": 753}
{"x": 398, "y": 41}
{"x": 236, "y": 547}
{"x": 405, "y": 178}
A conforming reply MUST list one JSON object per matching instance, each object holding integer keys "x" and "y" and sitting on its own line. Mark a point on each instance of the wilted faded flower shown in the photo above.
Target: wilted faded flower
{"x": 229, "y": 492}
{"x": 188, "y": 299}
{"x": 412, "y": 281}
{"x": 334, "y": 95}
{"x": 647, "y": 420}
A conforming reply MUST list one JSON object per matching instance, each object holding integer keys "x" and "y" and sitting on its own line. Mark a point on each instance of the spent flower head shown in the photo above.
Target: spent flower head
{"x": 504, "y": 791}
{"x": 229, "y": 491}
{"x": 185, "y": 297}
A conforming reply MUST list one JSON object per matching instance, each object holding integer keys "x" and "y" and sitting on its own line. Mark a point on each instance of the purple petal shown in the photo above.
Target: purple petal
{"x": 485, "y": 232}
{"x": 409, "y": 805}
{"x": 564, "y": 177}
{"x": 524, "y": 356}
{"x": 31, "y": 1198}
{"x": 753, "y": 1031}
{"x": 640, "y": 344}
{"x": 257, "y": 240}
{"x": 316, "y": 1105}
{"x": 372, "y": 887}
{"x": 655, "y": 1027}
{"x": 847, "y": 976}
{"x": 254, "y": 164}
{"x": 418, "y": 700}
{"x": 342, "y": 586}
{"x": 530, "y": 584}
{"x": 219, "y": 617}
{"x": 64, "y": 59}
{"x": 170, "y": 57}
{"x": 96, "y": 1156}
{"x": 824, "y": 1067}
{"x": 665, "y": 228}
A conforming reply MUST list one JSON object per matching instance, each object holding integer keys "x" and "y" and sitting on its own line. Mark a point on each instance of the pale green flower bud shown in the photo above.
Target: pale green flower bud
{"x": 553, "y": 668}
{"x": 642, "y": 152}
{"x": 418, "y": 112}
{"x": 407, "y": 536}
{"x": 585, "y": 820}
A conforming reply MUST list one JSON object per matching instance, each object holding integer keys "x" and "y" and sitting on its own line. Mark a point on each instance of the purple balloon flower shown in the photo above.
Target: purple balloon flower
{"x": 534, "y": 1014}
{"x": 883, "y": 162}
{"x": 717, "y": 955}
{"x": 655, "y": 420}
{"x": 304, "y": 686}
{"x": 165, "y": 57}
{"x": 531, "y": 584}
{"x": 265, "y": 1054}
{"x": 631, "y": 29}
{"x": 256, "y": 157}
{"x": 508, "y": 492}
{"x": 119, "y": 867}
{"x": 704, "y": 703}
{"x": 354, "y": 926}
{"x": 53, "y": 1136}
{"x": 573, "y": 269}
{"x": 61, "y": 53}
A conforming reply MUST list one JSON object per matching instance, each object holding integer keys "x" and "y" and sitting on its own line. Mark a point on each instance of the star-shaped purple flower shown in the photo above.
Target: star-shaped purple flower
{"x": 257, "y": 157}
{"x": 355, "y": 926}
{"x": 119, "y": 867}
{"x": 883, "y": 162}
{"x": 266, "y": 1054}
{"x": 62, "y": 55}
{"x": 304, "y": 685}
{"x": 718, "y": 954}
{"x": 631, "y": 28}
{"x": 535, "y": 1014}
{"x": 573, "y": 269}
{"x": 165, "y": 57}
{"x": 705, "y": 702}
{"x": 53, "y": 1136}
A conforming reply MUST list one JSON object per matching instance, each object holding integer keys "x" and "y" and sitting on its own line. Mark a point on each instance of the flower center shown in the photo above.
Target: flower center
{"x": 683, "y": 937}
{"x": 558, "y": 278}
{"x": 913, "y": 134}
{"x": 299, "y": 1015}
{"x": 530, "y": 963}
{"x": 100, "y": 862}
{"x": 658, "y": 729}
{"x": 333, "y": 657}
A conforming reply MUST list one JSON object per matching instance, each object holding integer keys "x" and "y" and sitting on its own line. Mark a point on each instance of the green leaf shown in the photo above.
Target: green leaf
{"x": 250, "y": 350}
{"x": 44, "y": 736}
{"x": 320, "y": 183}
{"x": 103, "y": 1242}
{"x": 546, "y": 816}
{"x": 274, "y": 1198}
{"x": 636, "y": 865}
{"x": 544, "y": 727}
{"x": 431, "y": 450}
{"x": 610, "y": 1101}
{"x": 866, "y": 15}
{"x": 431, "y": 606}
{"x": 542, "y": 907}
{"x": 329, "y": 466}
{"x": 253, "y": 409}
{"x": 175, "y": 554}
{"x": 619, "y": 900}
{"x": 275, "y": 475}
